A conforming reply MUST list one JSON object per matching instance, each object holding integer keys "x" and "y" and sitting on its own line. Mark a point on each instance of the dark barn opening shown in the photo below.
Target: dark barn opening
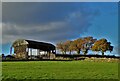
{"x": 23, "y": 49}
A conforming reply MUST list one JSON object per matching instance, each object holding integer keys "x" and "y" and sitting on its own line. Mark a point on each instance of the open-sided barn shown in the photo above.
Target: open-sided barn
{"x": 24, "y": 47}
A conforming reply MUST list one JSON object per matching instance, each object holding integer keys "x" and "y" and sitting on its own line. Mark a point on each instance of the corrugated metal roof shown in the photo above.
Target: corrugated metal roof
{"x": 34, "y": 44}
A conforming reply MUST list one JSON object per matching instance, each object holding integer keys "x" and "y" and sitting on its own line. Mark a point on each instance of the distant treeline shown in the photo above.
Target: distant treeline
{"x": 84, "y": 44}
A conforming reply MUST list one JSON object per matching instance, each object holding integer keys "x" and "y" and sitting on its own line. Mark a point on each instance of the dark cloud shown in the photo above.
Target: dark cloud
{"x": 46, "y": 21}
{"x": 32, "y": 13}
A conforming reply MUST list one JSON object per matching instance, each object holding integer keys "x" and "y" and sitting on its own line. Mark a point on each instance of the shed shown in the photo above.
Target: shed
{"x": 22, "y": 48}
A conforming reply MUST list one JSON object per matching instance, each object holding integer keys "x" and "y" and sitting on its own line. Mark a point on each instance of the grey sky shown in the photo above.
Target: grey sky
{"x": 45, "y": 21}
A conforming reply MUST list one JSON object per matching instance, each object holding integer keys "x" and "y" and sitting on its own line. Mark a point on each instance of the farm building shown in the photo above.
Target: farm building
{"x": 23, "y": 49}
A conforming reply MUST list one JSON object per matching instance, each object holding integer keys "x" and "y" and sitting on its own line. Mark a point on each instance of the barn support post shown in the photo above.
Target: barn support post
{"x": 27, "y": 52}
{"x": 31, "y": 53}
{"x": 49, "y": 54}
{"x": 55, "y": 50}
{"x": 38, "y": 53}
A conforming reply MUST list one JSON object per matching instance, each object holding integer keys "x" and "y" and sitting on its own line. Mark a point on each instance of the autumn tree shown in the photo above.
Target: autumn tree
{"x": 87, "y": 44}
{"x": 64, "y": 46}
{"x": 68, "y": 45}
{"x": 77, "y": 45}
{"x": 102, "y": 45}
{"x": 60, "y": 47}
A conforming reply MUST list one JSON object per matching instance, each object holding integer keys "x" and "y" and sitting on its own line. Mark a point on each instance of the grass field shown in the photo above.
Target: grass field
{"x": 59, "y": 70}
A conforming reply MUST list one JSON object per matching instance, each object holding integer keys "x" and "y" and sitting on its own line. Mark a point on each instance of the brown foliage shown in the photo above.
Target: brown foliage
{"x": 65, "y": 46}
{"x": 84, "y": 44}
{"x": 87, "y": 44}
{"x": 102, "y": 45}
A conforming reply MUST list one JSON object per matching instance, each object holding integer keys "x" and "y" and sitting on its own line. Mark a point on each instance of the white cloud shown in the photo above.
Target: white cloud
{"x": 12, "y": 31}
{"x": 45, "y": 21}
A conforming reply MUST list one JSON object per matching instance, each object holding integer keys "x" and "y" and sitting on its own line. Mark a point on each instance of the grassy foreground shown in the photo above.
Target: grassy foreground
{"x": 59, "y": 70}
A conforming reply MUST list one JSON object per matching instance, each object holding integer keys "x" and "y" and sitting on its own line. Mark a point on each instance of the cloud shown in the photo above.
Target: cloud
{"x": 45, "y": 21}
{"x": 34, "y": 13}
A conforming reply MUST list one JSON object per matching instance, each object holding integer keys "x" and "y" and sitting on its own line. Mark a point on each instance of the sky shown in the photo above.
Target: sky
{"x": 53, "y": 22}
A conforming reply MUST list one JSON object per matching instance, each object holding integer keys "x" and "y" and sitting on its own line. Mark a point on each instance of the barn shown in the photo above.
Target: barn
{"x": 23, "y": 49}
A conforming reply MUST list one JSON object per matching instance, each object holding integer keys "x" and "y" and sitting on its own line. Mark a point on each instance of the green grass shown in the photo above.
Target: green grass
{"x": 59, "y": 70}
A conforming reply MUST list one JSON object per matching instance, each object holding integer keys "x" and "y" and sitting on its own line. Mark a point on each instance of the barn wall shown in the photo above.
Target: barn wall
{"x": 21, "y": 52}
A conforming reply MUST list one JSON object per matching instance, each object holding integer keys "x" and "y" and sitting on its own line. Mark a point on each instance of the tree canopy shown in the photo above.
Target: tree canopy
{"x": 102, "y": 45}
{"x": 84, "y": 44}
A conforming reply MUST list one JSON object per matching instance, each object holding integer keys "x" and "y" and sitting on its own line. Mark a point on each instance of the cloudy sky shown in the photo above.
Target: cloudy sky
{"x": 54, "y": 21}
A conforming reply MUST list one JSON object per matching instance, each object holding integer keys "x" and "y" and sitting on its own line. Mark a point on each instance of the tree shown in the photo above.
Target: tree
{"x": 102, "y": 45}
{"x": 87, "y": 44}
{"x": 68, "y": 46}
{"x": 63, "y": 46}
{"x": 60, "y": 47}
{"x": 77, "y": 45}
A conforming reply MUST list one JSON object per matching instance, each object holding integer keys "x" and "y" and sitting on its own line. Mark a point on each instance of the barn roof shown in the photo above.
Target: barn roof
{"x": 34, "y": 44}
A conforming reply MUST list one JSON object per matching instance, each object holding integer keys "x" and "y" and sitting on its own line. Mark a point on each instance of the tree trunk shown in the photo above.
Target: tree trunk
{"x": 70, "y": 52}
{"x": 102, "y": 53}
{"x": 65, "y": 52}
{"x": 85, "y": 52}
{"x": 78, "y": 52}
{"x": 62, "y": 52}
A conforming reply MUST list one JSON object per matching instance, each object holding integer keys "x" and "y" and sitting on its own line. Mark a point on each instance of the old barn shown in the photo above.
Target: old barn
{"x": 23, "y": 49}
